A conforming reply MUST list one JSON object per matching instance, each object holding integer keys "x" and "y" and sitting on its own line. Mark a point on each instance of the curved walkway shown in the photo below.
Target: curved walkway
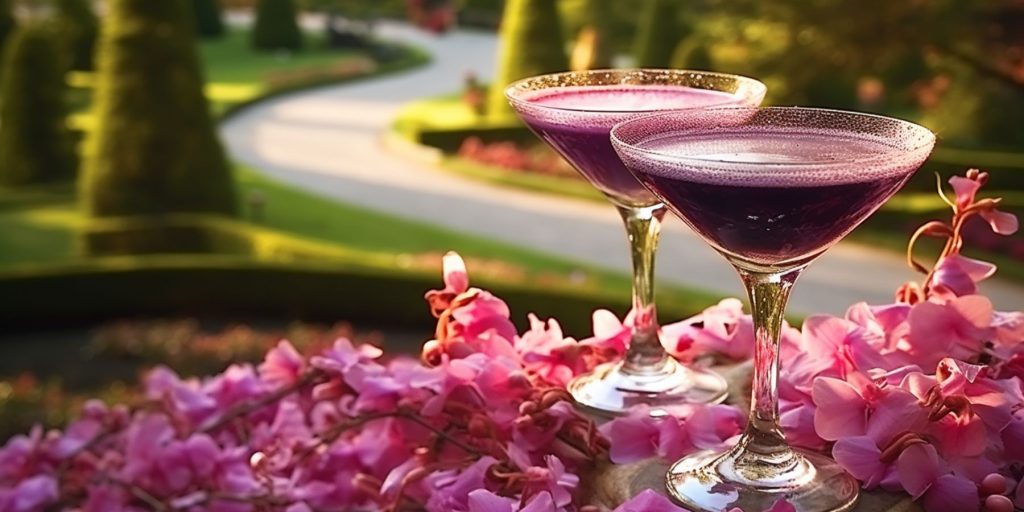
{"x": 329, "y": 141}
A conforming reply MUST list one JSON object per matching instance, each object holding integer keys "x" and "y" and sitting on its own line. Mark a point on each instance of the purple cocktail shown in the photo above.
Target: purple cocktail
{"x": 771, "y": 189}
{"x": 574, "y": 113}
{"x": 780, "y": 217}
{"x": 583, "y": 138}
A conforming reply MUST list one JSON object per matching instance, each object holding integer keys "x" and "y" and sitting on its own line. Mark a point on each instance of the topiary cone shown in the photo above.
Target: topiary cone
{"x": 79, "y": 29}
{"x": 35, "y": 145}
{"x": 276, "y": 27}
{"x": 658, "y": 34}
{"x": 531, "y": 44}
{"x": 153, "y": 149}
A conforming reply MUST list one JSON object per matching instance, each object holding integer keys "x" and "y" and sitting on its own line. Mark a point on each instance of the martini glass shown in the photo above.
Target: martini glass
{"x": 574, "y": 113}
{"x": 771, "y": 189}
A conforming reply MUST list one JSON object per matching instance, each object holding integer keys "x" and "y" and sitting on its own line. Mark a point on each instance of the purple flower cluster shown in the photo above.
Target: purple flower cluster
{"x": 922, "y": 396}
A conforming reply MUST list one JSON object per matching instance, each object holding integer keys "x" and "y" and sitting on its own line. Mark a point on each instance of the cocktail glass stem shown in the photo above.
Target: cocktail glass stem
{"x": 643, "y": 226}
{"x": 762, "y": 468}
{"x": 647, "y": 374}
{"x": 762, "y": 455}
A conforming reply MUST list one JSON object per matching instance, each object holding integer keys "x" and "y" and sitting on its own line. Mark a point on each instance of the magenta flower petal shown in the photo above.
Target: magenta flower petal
{"x": 918, "y": 467}
{"x": 482, "y": 500}
{"x": 956, "y": 329}
{"x": 456, "y": 279}
{"x": 542, "y": 502}
{"x": 860, "y": 457}
{"x": 649, "y": 501}
{"x": 951, "y": 493}
{"x": 960, "y": 274}
{"x": 633, "y": 437}
{"x": 841, "y": 410}
{"x": 965, "y": 190}
{"x": 1002, "y": 223}
{"x": 897, "y": 411}
{"x": 34, "y": 493}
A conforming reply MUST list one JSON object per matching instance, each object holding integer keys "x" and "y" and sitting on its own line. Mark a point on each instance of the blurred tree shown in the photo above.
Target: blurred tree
{"x": 154, "y": 149}
{"x": 658, "y": 34}
{"x": 805, "y": 55}
{"x": 691, "y": 55}
{"x": 531, "y": 44}
{"x": 35, "y": 145}
{"x": 276, "y": 26}
{"x": 78, "y": 28}
{"x": 593, "y": 45}
{"x": 7, "y": 21}
{"x": 209, "y": 23}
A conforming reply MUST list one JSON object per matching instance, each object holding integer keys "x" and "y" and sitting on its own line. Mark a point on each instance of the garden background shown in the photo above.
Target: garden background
{"x": 158, "y": 203}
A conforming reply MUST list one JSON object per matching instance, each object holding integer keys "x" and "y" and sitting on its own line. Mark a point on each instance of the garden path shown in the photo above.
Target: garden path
{"x": 329, "y": 141}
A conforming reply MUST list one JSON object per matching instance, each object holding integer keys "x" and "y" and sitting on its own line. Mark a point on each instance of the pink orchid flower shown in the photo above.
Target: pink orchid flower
{"x": 960, "y": 275}
{"x": 840, "y": 346}
{"x": 860, "y": 406}
{"x": 966, "y": 189}
{"x": 720, "y": 329}
{"x": 955, "y": 329}
{"x": 924, "y": 476}
{"x": 548, "y": 353}
{"x": 282, "y": 365}
{"x": 552, "y": 479}
{"x": 966, "y": 407}
{"x": 611, "y": 337}
{"x": 638, "y": 436}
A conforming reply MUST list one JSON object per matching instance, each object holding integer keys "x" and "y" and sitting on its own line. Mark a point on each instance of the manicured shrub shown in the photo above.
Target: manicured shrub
{"x": 209, "y": 23}
{"x": 35, "y": 145}
{"x": 593, "y": 46}
{"x": 276, "y": 26}
{"x": 78, "y": 29}
{"x": 7, "y": 22}
{"x": 692, "y": 55}
{"x": 154, "y": 149}
{"x": 658, "y": 34}
{"x": 531, "y": 44}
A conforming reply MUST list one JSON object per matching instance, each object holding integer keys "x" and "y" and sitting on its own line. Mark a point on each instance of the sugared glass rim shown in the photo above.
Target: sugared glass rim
{"x": 926, "y": 136}
{"x": 513, "y": 92}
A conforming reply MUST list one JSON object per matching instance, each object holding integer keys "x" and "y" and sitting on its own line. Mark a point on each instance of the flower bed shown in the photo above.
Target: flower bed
{"x": 923, "y": 396}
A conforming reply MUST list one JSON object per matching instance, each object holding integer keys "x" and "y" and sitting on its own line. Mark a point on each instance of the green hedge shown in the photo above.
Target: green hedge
{"x": 449, "y": 140}
{"x": 35, "y": 145}
{"x": 224, "y": 285}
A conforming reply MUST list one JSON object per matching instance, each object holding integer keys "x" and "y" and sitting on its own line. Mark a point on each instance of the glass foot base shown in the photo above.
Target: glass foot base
{"x": 714, "y": 481}
{"x": 610, "y": 391}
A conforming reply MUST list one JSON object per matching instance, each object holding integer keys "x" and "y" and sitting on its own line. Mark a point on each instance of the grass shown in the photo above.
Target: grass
{"x": 236, "y": 75}
{"x": 40, "y": 227}
{"x": 230, "y": 60}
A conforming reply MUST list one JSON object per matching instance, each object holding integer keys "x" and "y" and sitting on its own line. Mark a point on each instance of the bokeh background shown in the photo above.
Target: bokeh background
{"x": 132, "y": 234}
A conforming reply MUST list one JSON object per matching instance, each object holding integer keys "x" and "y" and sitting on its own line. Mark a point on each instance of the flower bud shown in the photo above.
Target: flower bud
{"x": 528, "y": 407}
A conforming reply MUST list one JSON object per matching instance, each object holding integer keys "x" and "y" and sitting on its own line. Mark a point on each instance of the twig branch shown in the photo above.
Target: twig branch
{"x": 245, "y": 408}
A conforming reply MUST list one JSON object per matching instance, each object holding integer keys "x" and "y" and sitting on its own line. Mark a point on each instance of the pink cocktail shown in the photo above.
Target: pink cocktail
{"x": 574, "y": 113}
{"x": 771, "y": 189}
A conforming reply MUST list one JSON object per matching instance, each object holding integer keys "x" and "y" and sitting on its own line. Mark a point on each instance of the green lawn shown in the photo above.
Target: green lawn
{"x": 39, "y": 227}
{"x": 230, "y": 60}
{"x": 236, "y": 74}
